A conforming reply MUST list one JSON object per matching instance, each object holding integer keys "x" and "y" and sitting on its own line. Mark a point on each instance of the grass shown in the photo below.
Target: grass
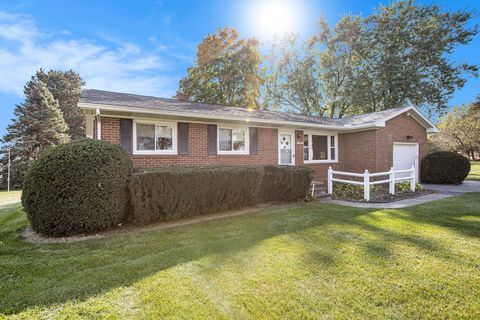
{"x": 474, "y": 171}
{"x": 10, "y": 196}
{"x": 298, "y": 261}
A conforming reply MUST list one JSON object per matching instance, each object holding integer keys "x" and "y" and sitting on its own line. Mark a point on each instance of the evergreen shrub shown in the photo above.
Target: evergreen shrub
{"x": 77, "y": 187}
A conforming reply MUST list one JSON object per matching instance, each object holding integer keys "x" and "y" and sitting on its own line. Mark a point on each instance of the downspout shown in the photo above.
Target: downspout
{"x": 99, "y": 124}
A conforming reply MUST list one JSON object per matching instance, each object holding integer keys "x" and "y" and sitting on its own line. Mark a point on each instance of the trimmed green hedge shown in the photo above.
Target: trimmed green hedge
{"x": 172, "y": 193}
{"x": 78, "y": 187}
{"x": 444, "y": 167}
{"x": 285, "y": 183}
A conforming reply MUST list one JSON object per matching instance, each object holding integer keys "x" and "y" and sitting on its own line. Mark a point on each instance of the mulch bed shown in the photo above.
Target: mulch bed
{"x": 385, "y": 197}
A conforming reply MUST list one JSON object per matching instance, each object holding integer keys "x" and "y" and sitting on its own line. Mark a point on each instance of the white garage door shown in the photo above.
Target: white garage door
{"x": 405, "y": 155}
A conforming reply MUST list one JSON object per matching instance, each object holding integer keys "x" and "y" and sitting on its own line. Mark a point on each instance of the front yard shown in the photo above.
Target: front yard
{"x": 474, "y": 171}
{"x": 298, "y": 261}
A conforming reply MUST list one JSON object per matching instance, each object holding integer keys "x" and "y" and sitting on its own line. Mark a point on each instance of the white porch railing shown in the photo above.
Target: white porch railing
{"x": 366, "y": 183}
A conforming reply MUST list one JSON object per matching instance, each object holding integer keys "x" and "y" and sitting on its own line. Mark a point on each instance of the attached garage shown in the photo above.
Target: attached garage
{"x": 406, "y": 155}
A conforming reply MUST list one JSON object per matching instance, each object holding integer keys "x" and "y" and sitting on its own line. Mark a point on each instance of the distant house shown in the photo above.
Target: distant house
{"x": 158, "y": 131}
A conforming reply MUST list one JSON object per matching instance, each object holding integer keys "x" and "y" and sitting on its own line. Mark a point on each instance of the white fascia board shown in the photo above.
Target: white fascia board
{"x": 339, "y": 128}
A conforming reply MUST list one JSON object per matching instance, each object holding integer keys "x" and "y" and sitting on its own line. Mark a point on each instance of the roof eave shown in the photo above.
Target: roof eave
{"x": 431, "y": 128}
{"x": 341, "y": 128}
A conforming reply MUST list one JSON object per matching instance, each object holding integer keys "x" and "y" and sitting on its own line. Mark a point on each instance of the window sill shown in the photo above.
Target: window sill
{"x": 320, "y": 161}
{"x": 155, "y": 153}
{"x": 233, "y": 153}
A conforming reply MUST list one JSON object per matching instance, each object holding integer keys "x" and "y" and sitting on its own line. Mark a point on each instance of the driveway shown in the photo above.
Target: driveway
{"x": 453, "y": 189}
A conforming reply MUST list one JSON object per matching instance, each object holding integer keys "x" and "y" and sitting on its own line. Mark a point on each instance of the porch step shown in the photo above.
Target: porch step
{"x": 320, "y": 189}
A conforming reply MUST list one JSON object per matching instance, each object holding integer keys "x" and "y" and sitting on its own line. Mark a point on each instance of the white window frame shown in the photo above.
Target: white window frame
{"x": 234, "y": 152}
{"x": 329, "y": 147}
{"x": 153, "y": 152}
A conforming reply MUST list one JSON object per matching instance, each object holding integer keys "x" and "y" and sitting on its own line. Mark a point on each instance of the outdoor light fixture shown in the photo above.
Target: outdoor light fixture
{"x": 409, "y": 137}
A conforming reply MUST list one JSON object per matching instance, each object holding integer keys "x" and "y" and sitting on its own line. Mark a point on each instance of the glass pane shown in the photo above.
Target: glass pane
{"x": 332, "y": 148}
{"x": 305, "y": 147}
{"x": 238, "y": 140}
{"x": 320, "y": 147}
{"x": 285, "y": 149}
{"x": 164, "y": 138}
{"x": 145, "y": 137}
{"x": 225, "y": 137}
{"x": 285, "y": 156}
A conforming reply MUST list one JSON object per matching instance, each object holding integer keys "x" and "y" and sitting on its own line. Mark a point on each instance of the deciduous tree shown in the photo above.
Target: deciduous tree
{"x": 291, "y": 82}
{"x": 398, "y": 56}
{"x": 459, "y": 130}
{"x": 226, "y": 71}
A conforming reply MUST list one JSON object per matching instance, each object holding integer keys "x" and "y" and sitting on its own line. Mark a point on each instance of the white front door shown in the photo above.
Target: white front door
{"x": 286, "y": 148}
{"x": 405, "y": 155}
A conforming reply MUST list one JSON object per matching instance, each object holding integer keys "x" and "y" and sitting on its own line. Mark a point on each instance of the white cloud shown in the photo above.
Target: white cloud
{"x": 120, "y": 66}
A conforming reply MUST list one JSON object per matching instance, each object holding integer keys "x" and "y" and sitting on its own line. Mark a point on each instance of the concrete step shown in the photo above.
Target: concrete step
{"x": 320, "y": 191}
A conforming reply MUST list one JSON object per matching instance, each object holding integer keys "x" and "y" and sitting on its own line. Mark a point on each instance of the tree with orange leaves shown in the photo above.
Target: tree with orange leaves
{"x": 226, "y": 71}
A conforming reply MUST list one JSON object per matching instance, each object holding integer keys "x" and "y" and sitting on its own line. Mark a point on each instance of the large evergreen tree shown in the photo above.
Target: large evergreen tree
{"x": 38, "y": 125}
{"x": 66, "y": 88}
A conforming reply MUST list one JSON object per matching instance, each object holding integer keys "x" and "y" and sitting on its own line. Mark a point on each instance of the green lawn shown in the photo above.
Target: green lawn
{"x": 474, "y": 171}
{"x": 297, "y": 261}
{"x": 10, "y": 196}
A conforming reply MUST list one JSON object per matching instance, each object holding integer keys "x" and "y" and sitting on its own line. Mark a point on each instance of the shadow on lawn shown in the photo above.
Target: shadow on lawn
{"x": 36, "y": 275}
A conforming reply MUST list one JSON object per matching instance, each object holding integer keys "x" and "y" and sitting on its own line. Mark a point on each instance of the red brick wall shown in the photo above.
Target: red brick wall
{"x": 298, "y": 147}
{"x": 110, "y": 129}
{"x": 372, "y": 149}
{"x": 197, "y": 145}
{"x": 397, "y": 130}
{"x": 357, "y": 151}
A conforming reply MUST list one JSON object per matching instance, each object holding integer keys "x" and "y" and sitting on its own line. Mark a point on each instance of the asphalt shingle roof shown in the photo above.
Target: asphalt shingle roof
{"x": 93, "y": 96}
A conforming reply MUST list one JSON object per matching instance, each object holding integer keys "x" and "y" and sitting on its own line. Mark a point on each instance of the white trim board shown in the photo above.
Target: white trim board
{"x": 155, "y": 152}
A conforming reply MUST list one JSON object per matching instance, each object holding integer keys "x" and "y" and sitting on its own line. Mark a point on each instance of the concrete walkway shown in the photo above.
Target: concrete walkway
{"x": 441, "y": 191}
{"x": 466, "y": 186}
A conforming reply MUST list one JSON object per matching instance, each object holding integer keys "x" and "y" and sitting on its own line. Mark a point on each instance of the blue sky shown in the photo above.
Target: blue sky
{"x": 145, "y": 47}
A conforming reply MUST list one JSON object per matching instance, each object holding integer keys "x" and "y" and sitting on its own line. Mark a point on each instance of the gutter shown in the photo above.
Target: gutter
{"x": 340, "y": 128}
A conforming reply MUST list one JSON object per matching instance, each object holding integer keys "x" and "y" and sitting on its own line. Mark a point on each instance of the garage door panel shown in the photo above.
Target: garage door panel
{"x": 404, "y": 157}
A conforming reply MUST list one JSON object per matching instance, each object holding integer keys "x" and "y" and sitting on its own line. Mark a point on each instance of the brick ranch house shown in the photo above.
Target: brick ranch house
{"x": 157, "y": 132}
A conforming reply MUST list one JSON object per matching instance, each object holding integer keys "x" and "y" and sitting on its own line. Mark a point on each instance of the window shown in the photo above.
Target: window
{"x": 164, "y": 138}
{"x": 319, "y": 147}
{"x": 232, "y": 140}
{"x": 154, "y": 138}
{"x": 332, "y": 147}
{"x": 306, "y": 150}
{"x": 145, "y": 137}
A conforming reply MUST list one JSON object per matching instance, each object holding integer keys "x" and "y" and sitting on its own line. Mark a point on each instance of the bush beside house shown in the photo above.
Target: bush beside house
{"x": 87, "y": 186}
{"x": 173, "y": 193}
{"x": 285, "y": 183}
{"x": 78, "y": 187}
{"x": 444, "y": 167}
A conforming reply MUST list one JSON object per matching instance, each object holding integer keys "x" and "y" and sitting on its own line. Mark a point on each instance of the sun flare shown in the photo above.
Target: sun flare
{"x": 274, "y": 17}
